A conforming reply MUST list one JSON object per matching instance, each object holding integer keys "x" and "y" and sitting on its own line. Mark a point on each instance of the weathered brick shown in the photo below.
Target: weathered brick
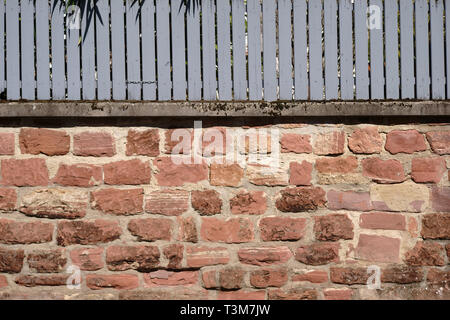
{"x": 132, "y": 172}
{"x": 170, "y": 278}
{"x": 440, "y": 199}
{"x": 55, "y": 203}
{"x": 167, "y": 202}
{"x": 301, "y": 199}
{"x": 8, "y": 199}
{"x": 337, "y": 165}
{"x": 382, "y": 220}
{"x": 241, "y": 295}
{"x": 264, "y": 256}
{"x": 300, "y": 174}
{"x": 428, "y": 170}
{"x": 7, "y": 144}
{"x": 293, "y": 294}
{"x": 231, "y": 278}
{"x": 404, "y": 197}
{"x": 11, "y": 261}
{"x": 3, "y": 282}
{"x": 140, "y": 258}
{"x": 54, "y": 280}
{"x": 24, "y": 172}
{"x": 407, "y": 141}
{"x": 262, "y": 175}
{"x": 187, "y": 229}
{"x": 425, "y": 254}
{"x": 439, "y": 141}
{"x": 174, "y": 254}
{"x": 178, "y": 141}
{"x": 209, "y": 279}
{"x": 87, "y": 232}
{"x": 231, "y": 230}
{"x": 282, "y": 228}
{"x": 207, "y": 202}
{"x": 264, "y": 278}
{"x": 436, "y": 226}
{"x": 44, "y": 261}
{"x": 151, "y": 229}
{"x": 88, "y": 259}
{"x": 365, "y": 140}
{"x": 249, "y": 202}
{"x": 318, "y": 253}
{"x": 439, "y": 277}
{"x": 349, "y": 200}
{"x": 337, "y": 294}
{"x": 46, "y": 141}
{"x": 349, "y": 276}
{"x": 330, "y": 143}
{"x": 333, "y": 227}
{"x": 313, "y": 276}
{"x": 378, "y": 248}
{"x": 296, "y": 143}
{"x": 118, "y": 201}
{"x": 226, "y": 175}
{"x": 94, "y": 144}
{"x": 172, "y": 174}
{"x": 170, "y": 293}
{"x": 18, "y": 232}
{"x": 79, "y": 175}
{"x": 216, "y": 141}
{"x": 114, "y": 281}
{"x": 143, "y": 143}
{"x": 383, "y": 171}
{"x": 197, "y": 257}
{"x": 402, "y": 274}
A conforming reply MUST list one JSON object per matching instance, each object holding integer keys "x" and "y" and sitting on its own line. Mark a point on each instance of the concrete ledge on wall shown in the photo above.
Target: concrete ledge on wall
{"x": 224, "y": 109}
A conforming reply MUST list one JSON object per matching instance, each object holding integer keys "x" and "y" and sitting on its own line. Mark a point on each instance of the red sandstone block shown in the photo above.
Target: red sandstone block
{"x": 428, "y": 170}
{"x": 349, "y": 200}
{"x": 383, "y": 171}
{"x": 330, "y": 143}
{"x": 296, "y": 143}
{"x": 382, "y": 220}
{"x": 313, "y": 276}
{"x": 18, "y": 232}
{"x": 79, "y": 175}
{"x": 89, "y": 259}
{"x": 47, "y": 261}
{"x": 333, "y": 227}
{"x": 11, "y": 261}
{"x": 174, "y": 254}
{"x": 167, "y": 202}
{"x": 300, "y": 174}
{"x": 249, "y": 202}
{"x": 226, "y": 175}
{"x": 337, "y": 165}
{"x": 197, "y": 257}
{"x": 179, "y": 141}
{"x": 241, "y": 295}
{"x": 282, "y": 228}
{"x": 436, "y": 226}
{"x": 128, "y": 172}
{"x": 318, "y": 253}
{"x": 187, "y": 229}
{"x": 439, "y": 141}
{"x": 151, "y": 229}
{"x": 232, "y": 230}
{"x": 408, "y": 141}
{"x": 300, "y": 199}
{"x": 292, "y": 294}
{"x": 24, "y": 173}
{"x": 337, "y": 294}
{"x": 365, "y": 140}
{"x": 140, "y": 258}
{"x": 114, "y": 281}
{"x": 440, "y": 199}
{"x": 172, "y": 174}
{"x": 378, "y": 248}
{"x": 144, "y": 143}
{"x": 42, "y": 280}
{"x": 426, "y": 254}
{"x": 94, "y": 144}
{"x": 46, "y": 141}
{"x": 207, "y": 202}
{"x": 118, "y": 201}
{"x": 87, "y": 232}
{"x": 7, "y": 144}
{"x": 264, "y": 278}
{"x": 169, "y": 278}
{"x": 8, "y": 199}
{"x": 264, "y": 256}
{"x": 3, "y": 282}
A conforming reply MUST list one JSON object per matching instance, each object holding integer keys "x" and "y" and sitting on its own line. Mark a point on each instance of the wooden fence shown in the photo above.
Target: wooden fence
{"x": 224, "y": 50}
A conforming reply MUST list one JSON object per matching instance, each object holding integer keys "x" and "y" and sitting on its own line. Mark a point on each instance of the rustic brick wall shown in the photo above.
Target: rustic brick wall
{"x": 110, "y": 201}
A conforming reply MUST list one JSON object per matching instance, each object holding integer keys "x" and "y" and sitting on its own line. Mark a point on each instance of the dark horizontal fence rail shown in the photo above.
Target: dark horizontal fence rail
{"x": 224, "y": 50}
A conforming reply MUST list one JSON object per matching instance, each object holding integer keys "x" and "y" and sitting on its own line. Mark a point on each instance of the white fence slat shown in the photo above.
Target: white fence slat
{"x": 361, "y": 50}
{"x": 27, "y": 49}
{"x": 270, "y": 50}
{"x": 447, "y": 45}
{"x": 209, "y": 50}
{"x": 285, "y": 48}
{"x": 422, "y": 55}
{"x": 12, "y": 50}
{"x": 437, "y": 50}
{"x": 239, "y": 47}
{"x": 224, "y": 49}
{"x": 193, "y": 46}
{"x": 163, "y": 50}
{"x": 331, "y": 58}
{"x": 300, "y": 51}
{"x": 254, "y": 49}
{"x": 88, "y": 51}
{"x": 58, "y": 63}
{"x": 178, "y": 50}
{"x": 391, "y": 47}
{"x": 133, "y": 50}
{"x": 376, "y": 51}
{"x": 2, "y": 46}
{"x": 73, "y": 58}
{"x": 148, "y": 51}
{"x": 346, "y": 49}
{"x": 118, "y": 50}
{"x": 407, "y": 49}
{"x": 103, "y": 51}
{"x": 42, "y": 50}
{"x": 315, "y": 49}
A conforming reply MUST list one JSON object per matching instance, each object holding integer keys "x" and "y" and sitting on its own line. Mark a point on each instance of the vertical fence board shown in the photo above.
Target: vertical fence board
{"x": 285, "y": 48}
{"x": 209, "y": 51}
{"x": 163, "y": 50}
{"x": 58, "y": 64}
{"x": 12, "y": 50}
{"x": 73, "y": 56}
{"x": 447, "y": 44}
{"x": 27, "y": 46}
{"x": 239, "y": 63}
{"x": 254, "y": 49}
{"x": 224, "y": 49}
{"x": 391, "y": 43}
{"x": 103, "y": 51}
{"x": 178, "y": 50}
{"x": 270, "y": 50}
{"x": 315, "y": 49}
{"x": 346, "y": 49}
{"x": 422, "y": 54}
{"x": 133, "y": 50}
{"x": 361, "y": 50}
{"x": 42, "y": 50}
{"x": 376, "y": 51}
{"x": 406, "y": 49}
{"x": 2, "y": 46}
{"x": 148, "y": 50}
{"x": 300, "y": 51}
{"x": 118, "y": 50}
{"x": 437, "y": 50}
{"x": 88, "y": 51}
{"x": 193, "y": 46}
{"x": 331, "y": 61}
